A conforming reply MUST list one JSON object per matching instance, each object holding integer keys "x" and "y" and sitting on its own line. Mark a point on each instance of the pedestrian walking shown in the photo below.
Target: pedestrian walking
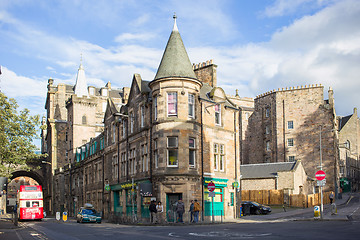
{"x": 191, "y": 210}
{"x": 152, "y": 209}
{"x": 159, "y": 212}
{"x": 331, "y": 196}
{"x": 180, "y": 209}
{"x": 196, "y": 211}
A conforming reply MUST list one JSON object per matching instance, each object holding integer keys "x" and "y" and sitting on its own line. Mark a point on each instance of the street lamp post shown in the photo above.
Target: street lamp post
{"x": 321, "y": 187}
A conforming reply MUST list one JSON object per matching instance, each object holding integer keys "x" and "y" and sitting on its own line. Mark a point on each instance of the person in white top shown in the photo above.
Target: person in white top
{"x": 160, "y": 210}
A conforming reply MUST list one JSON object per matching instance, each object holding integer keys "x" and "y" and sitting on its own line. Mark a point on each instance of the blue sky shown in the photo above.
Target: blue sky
{"x": 258, "y": 45}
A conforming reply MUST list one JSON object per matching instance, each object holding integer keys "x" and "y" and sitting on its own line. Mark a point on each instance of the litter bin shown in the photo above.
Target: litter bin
{"x": 246, "y": 208}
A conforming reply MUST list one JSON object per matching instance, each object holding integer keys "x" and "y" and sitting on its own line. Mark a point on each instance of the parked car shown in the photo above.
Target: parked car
{"x": 250, "y": 207}
{"x": 88, "y": 214}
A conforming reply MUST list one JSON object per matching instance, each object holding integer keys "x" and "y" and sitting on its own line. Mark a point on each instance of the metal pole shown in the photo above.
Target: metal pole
{"x": 132, "y": 198}
{"x": 321, "y": 188}
{"x": 212, "y": 208}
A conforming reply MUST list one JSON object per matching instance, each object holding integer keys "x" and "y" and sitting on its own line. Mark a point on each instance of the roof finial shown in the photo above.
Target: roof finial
{"x": 81, "y": 58}
{"x": 175, "y": 26}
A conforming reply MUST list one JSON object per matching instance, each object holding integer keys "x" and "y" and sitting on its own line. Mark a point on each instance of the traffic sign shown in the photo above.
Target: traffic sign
{"x": 211, "y": 186}
{"x": 58, "y": 216}
{"x": 320, "y": 175}
{"x": 321, "y": 183}
{"x": 316, "y": 212}
{"x": 65, "y": 216}
{"x": 235, "y": 184}
{"x": 211, "y": 194}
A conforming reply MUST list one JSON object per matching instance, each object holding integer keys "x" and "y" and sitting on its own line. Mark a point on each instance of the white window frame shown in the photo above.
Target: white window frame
{"x": 169, "y": 103}
{"x": 132, "y": 120}
{"x": 192, "y": 152}
{"x": 267, "y": 146}
{"x": 218, "y": 114}
{"x": 142, "y": 116}
{"x": 267, "y": 129}
{"x": 191, "y": 105}
{"x": 290, "y": 142}
{"x": 267, "y": 112}
{"x": 290, "y": 124}
{"x": 156, "y": 153}
{"x": 155, "y": 107}
{"x": 172, "y": 148}
{"x": 291, "y": 158}
{"x": 113, "y": 132}
{"x": 216, "y": 157}
{"x": 222, "y": 158}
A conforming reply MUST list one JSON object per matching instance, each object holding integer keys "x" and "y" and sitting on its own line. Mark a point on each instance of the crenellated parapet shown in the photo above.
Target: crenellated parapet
{"x": 289, "y": 89}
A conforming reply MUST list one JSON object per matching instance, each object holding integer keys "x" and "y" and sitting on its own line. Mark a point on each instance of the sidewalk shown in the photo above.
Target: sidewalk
{"x": 6, "y": 222}
{"x": 298, "y": 214}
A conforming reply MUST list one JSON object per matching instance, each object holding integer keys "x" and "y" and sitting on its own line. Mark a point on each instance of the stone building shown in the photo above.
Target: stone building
{"x": 167, "y": 138}
{"x": 172, "y": 137}
{"x": 289, "y": 176}
{"x": 74, "y": 116}
{"x": 349, "y": 139}
{"x": 289, "y": 125}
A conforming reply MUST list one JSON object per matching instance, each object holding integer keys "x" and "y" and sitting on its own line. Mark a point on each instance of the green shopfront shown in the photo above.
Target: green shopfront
{"x": 128, "y": 200}
{"x": 219, "y": 199}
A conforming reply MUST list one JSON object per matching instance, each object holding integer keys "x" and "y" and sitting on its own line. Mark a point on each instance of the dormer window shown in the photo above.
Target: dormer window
{"x": 218, "y": 114}
{"x": 104, "y": 92}
{"x": 92, "y": 91}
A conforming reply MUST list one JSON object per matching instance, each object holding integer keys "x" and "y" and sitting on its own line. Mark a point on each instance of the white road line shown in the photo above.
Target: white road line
{"x": 18, "y": 235}
{"x": 354, "y": 211}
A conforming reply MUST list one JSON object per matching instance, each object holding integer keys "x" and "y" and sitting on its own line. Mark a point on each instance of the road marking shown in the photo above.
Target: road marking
{"x": 18, "y": 235}
{"x": 354, "y": 211}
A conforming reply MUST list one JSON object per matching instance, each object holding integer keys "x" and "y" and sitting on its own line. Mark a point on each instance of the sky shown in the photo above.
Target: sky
{"x": 258, "y": 45}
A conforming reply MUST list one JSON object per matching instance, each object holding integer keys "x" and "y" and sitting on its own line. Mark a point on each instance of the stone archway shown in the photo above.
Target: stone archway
{"x": 33, "y": 175}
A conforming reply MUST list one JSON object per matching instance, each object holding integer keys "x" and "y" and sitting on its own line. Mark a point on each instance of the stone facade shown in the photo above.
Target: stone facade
{"x": 349, "y": 139}
{"x": 286, "y": 126}
{"x": 166, "y": 139}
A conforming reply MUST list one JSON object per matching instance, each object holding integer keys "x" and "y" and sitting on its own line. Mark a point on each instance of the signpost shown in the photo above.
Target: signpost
{"x": 320, "y": 176}
{"x": 211, "y": 188}
{"x": 316, "y": 212}
{"x": 64, "y": 216}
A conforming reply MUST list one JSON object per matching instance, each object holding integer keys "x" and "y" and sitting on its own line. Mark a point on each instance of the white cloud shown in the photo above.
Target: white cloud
{"x": 286, "y": 7}
{"x": 132, "y": 36}
{"x": 19, "y": 86}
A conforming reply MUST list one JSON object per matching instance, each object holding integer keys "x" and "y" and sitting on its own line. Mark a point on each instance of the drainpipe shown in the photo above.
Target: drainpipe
{"x": 202, "y": 162}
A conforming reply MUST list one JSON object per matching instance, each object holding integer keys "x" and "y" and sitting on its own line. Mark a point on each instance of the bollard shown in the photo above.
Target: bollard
{"x": 333, "y": 209}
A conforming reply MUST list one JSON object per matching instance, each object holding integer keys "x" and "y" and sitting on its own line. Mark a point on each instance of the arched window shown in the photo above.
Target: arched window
{"x": 84, "y": 119}
{"x": 347, "y": 144}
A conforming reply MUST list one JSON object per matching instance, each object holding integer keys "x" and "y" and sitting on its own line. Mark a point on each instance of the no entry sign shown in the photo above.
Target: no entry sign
{"x": 320, "y": 175}
{"x": 211, "y": 186}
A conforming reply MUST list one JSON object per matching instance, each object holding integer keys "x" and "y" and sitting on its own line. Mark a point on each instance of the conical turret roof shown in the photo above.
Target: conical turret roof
{"x": 175, "y": 61}
{"x": 81, "y": 85}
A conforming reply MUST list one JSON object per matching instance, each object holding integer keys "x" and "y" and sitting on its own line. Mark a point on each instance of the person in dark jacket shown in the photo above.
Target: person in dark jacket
{"x": 180, "y": 209}
{"x": 191, "y": 210}
{"x": 153, "y": 211}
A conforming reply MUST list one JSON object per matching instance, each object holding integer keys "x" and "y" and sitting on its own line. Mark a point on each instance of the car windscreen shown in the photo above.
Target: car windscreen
{"x": 255, "y": 203}
{"x": 88, "y": 211}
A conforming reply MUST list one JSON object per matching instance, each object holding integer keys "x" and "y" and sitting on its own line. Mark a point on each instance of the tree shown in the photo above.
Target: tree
{"x": 17, "y": 129}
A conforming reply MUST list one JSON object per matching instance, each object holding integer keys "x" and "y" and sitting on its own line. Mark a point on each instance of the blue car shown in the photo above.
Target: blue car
{"x": 88, "y": 215}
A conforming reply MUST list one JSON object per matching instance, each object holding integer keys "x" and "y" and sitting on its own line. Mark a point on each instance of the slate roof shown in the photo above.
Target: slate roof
{"x": 175, "y": 61}
{"x": 265, "y": 170}
{"x": 343, "y": 121}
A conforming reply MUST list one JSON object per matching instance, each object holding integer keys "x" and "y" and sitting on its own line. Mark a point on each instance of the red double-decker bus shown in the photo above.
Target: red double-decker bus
{"x": 30, "y": 202}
